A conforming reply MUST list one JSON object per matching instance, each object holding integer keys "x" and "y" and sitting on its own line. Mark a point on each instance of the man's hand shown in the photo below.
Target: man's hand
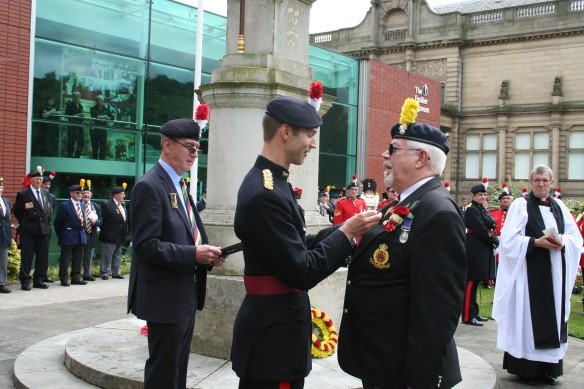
{"x": 360, "y": 223}
{"x": 209, "y": 255}
{"x": 546, "y": 243}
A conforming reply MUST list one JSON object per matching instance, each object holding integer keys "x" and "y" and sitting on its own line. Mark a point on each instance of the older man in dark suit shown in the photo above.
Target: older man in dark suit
{"x": 70, "y": 224}
{"x": 5, "y": 238}
{"x": 171, "y": 257}
{"x": 406, "y": 279}
{"x": 113, "y": 234}
{"x": 33, "y": 213}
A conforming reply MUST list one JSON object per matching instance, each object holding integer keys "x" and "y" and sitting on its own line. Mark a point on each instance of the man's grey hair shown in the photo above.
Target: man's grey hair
{"x": 541, "y": 169}
{"x": 436, "y": 157}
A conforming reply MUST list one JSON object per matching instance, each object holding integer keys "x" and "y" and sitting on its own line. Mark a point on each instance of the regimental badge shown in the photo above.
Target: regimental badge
{"x": 28, "y": 205}
{"x": 173, "y": 201}
{"x": 380, "y": 257}
{"x": 268, "y": 179}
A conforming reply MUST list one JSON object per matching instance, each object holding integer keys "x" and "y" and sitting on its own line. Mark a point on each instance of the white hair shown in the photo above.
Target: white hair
{"x": 436, "y": 157}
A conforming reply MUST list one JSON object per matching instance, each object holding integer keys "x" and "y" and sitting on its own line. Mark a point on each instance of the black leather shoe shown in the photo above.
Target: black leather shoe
{"x": 78, "y": 282}
{"x": 88, "y": 278}
{"x": 40, "y": 286}
{"x": 25, "y": 287}
{"x": 481, "y": 318}
{"x": 4, "y": 289}
{"x": 548, "y": 380}
{"x": 48, "y": 280}
{"x": 118, "y": 276}
{"x": 473, "y": 322}
{"x": 104, "y": 277}
{"x": 65, "y": 283}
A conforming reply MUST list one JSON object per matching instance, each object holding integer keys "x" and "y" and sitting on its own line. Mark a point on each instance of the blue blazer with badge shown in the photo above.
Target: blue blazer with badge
{"x": 67, "y": 225}
{"x": 5, "y": 225}
{"x": 166, "y": 285}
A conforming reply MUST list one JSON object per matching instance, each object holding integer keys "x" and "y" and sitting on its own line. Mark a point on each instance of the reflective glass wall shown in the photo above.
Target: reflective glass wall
{"x": 109, "y": 73}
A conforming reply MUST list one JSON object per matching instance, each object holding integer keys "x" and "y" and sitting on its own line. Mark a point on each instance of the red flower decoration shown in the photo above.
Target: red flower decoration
{"x": 390, "y": 226}
{"x": 202, "y": 112}
{"x": 402, "y": 211}
{"x": 354, "y": 177}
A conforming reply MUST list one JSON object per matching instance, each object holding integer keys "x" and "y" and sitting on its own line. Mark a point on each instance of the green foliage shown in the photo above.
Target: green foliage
{"x": 13, "y": 261}
{"x": 575, "y": 324}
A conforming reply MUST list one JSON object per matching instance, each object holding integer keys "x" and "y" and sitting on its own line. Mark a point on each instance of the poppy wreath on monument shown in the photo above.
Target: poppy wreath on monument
{"x": 324, "y": 334}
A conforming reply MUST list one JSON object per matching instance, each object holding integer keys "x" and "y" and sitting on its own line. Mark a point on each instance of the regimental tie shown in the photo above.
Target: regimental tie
{"x": 191, "y": 215}
{"x": 121, "y": 211}
{"x": 87, "y": 212}
{"x": 39, "y": 199}
{"x": 79, "y": 213}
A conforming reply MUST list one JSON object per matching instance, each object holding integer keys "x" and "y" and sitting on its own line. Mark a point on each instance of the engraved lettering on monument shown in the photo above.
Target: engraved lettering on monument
{"x": 291, "y": 33}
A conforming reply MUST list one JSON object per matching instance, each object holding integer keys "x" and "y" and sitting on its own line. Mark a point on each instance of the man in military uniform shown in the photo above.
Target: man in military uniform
{"x": 481, "y": 239}
{"x": 349, "y": 206}
{"x": 406, "y": 279}
{"x": 505, "y": 200}
{"x": 281, "y": 262}
{"x": 33, "y": 212}
{"x": 369, "y": 194}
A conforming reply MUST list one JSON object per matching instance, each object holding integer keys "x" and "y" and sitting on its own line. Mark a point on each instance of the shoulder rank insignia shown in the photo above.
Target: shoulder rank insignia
{"x": 380, "y": 257}
{"x": 268, "y": 179}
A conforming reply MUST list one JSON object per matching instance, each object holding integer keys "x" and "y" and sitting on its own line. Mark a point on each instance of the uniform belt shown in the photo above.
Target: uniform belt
{"x": 266, "y": 285}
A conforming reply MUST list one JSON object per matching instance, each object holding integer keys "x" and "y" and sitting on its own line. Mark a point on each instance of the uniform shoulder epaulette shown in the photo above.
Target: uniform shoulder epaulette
{"x": 268, "y": 179}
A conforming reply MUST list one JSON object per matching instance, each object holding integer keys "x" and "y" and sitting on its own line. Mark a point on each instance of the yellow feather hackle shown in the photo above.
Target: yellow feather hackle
{"x": 409, "y": 111}
{"x": 82, "y": 183}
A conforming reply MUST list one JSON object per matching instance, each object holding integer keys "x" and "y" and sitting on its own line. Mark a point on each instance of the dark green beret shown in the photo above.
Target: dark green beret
{"x": 295, "y": 112}
{"x": 181, "y": 128}
{"x": 421, "y": 132}
{"x": 117, "y": 189}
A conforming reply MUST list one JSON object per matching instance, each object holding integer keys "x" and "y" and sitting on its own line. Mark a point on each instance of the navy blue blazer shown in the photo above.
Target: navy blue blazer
{"x": 67, "y": 225}
{"x": 166, "y": 285}
{"x": 5, "y": 225}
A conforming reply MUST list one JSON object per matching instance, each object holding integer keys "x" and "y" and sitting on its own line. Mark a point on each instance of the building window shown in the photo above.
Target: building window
{"x": 576, "y": 155}
{"x": 531, "y": 149}
{"x": 481, "y": 155}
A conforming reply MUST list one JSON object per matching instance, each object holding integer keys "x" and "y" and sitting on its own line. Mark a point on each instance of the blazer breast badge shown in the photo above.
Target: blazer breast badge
{"x": 380, "y": 257}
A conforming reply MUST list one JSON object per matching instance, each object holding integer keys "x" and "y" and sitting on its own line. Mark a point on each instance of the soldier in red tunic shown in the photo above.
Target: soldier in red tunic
{"x": 505, "y": 200}
{"x": 349, "y": 206}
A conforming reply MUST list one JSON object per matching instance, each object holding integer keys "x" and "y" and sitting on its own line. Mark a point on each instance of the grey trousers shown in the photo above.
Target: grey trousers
{"x": 111, "y": 253}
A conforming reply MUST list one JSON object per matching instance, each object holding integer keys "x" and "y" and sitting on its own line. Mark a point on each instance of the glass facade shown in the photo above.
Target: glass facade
{"x": 109, "y": 73}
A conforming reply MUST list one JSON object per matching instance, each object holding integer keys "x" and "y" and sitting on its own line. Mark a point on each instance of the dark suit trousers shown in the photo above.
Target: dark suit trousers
{"x": 88, "y": 257}
{"x": 32, "y": 246}
{"x": 169, "y": 346}
{"x": 75, "y": 252}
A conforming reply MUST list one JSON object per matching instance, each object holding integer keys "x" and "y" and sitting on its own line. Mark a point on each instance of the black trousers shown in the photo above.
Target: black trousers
{"x": 98, "y": 143}
{"x": 75, "y": 252}
{"x": 169, "y": 347}
{"x": 33, "y": 246}
{"x": 470, "y": 308}
{"x": 75, "y": 137}
{"x": 245, "y": 383}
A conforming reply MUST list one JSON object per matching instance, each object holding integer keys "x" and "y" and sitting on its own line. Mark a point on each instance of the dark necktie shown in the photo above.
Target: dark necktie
{"x": 39, "y": 199}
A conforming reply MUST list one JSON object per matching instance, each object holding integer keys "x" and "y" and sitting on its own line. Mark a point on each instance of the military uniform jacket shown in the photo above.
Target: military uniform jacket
{"x": 33, "y": 218}
{"x": 113, "y": 228}
{"x": 166, "y": 285}
{"x": 499, "y": 215}
{"x": 481, "y": 239}
{"x": 346, "y": 208}
{"x": 403, "y": 298}
{"x": 271, "y": 337}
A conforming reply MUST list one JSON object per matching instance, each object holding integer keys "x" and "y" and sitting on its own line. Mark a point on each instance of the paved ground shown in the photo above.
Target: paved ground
{"x": 27, "y": 318}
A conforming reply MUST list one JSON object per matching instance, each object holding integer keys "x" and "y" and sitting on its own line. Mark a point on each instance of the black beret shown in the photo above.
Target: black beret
{"x": 35, "y": 173}
{"x": 181, "y": 128}
{"x": 478, "y": 188}
{"x": 117, "y": 189}
{"x": 352, "y": 185}
{"x": 421, "y": 132}
{"x": 323, "y": 193}
{"x": 86, "y": 189}
{"x": 503, "y": 194}
{"x": 47, "y": 179}
{"x": 75, "y": 188}
{"x": 295, "y": 112}
{"x": 369, "y": 184}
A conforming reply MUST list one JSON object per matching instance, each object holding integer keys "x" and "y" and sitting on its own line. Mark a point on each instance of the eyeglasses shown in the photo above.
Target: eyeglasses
{"x": 190, "y": 149}
{"x": 391, "y": 191}
{"x": 392, "y": 149}
{"x": 541, "y": 180}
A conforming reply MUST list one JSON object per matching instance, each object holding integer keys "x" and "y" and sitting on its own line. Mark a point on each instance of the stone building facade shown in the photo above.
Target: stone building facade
{"x": 511, "y": 79}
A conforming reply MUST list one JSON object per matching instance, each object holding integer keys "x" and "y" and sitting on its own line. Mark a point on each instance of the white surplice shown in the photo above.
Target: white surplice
{"x": 511, "y": 307}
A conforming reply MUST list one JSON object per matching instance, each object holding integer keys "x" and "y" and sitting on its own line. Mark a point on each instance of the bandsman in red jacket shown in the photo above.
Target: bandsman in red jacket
{"x": 350, "y": 205}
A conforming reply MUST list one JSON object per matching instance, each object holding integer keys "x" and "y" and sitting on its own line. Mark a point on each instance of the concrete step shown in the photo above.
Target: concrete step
{"x": 112, "y": 355}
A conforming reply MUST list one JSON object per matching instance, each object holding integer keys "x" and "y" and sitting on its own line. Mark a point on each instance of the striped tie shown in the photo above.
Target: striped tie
{"x": 87, "y": 212}
{"x": 79, "y": 214}
{"x": 190, "y": 213}
{"x": 121, "y": 211}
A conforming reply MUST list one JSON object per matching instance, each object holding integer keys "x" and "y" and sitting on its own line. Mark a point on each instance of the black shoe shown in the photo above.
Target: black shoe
{"x": 548, "y": 380}
{"x": 104, "y": 277}
{"x": 48, "y": 280}
{"x": 119, "y": 277}
{"x": 40, "y": 286}
{"x": 473, "y": 322}
{"x": 78, "y": 282}
{"x": 481, "y": 318}
{"x": 88, "y": 278}
{"x": 25, "y": 287}
{"x": 65, "y": 283}
{"x": 4, "y": 289}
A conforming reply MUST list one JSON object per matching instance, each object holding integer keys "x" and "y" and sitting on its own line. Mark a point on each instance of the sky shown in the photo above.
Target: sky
{"x": 350, "y": 14}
